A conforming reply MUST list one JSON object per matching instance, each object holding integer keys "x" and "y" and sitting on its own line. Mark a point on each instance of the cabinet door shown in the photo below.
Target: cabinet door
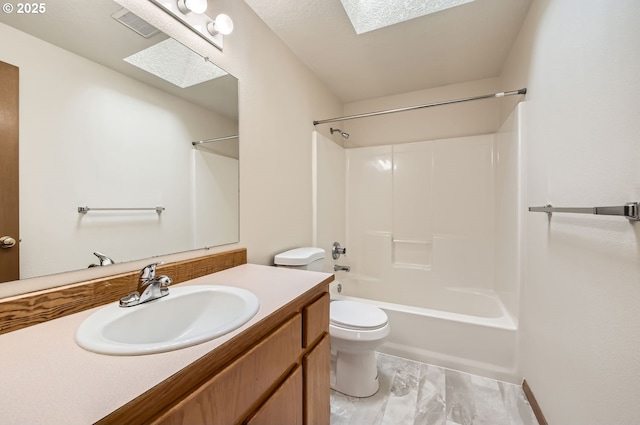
{"x": 316, "y": 320}
{"x": 228, "y": 396}
{"x": 317, "y": 369}
{"x": 285, "y": 404}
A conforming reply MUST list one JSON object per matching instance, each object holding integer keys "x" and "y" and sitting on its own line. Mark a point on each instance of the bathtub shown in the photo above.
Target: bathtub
{"x": 456, "y": 328}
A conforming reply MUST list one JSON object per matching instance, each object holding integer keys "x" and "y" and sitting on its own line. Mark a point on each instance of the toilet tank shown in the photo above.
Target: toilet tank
{"x": 302, "y": 258}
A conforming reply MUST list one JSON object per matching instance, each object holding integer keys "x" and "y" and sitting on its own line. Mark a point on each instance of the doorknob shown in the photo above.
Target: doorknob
{"x": 7, "y": 242}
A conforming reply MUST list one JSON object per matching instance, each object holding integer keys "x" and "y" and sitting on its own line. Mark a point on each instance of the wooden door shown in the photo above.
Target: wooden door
{"x": 9, "y": 221}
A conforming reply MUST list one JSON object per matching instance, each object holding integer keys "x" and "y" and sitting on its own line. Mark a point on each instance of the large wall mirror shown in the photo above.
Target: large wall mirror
{"x": 98, "y": 131}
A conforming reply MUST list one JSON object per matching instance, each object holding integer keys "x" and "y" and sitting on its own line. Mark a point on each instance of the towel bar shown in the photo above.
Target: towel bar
{"x": 84, "y": 210}
{"x": 630, "y": 210}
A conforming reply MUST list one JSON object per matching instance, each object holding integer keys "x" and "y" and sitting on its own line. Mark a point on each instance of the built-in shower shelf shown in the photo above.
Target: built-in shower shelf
{"x": 412, "y": 253}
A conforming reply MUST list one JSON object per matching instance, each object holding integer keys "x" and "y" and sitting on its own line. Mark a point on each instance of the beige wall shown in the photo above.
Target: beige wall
{"x": 581, "y": 340}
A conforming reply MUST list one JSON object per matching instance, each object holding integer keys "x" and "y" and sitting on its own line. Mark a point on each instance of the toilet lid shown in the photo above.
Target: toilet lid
{"x": 356, "y": 315}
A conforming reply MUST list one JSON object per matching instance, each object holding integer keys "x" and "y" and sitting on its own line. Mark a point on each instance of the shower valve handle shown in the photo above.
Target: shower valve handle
{"x": 336, "y": 251}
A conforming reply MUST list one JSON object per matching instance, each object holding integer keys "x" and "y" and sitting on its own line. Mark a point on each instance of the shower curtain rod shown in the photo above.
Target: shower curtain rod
{"x": 427, "y": 105}
{"x": 199, "y": 142}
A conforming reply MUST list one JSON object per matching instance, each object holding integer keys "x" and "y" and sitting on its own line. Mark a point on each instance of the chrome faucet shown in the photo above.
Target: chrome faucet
{"x": 104, "y": 260}
{"x": 150, "y": 287}
{"x": 338, "y": 268}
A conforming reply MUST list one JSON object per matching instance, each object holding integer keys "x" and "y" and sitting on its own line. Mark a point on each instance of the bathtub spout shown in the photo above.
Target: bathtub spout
{"x": 338, "y": 268}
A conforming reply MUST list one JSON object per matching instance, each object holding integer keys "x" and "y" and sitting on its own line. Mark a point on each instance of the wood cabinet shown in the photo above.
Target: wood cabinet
{"x": 285, "y": 405}
{"x": 275, "y": 376}
{"x": 316, "y": 362}
{"x": 229, "y": 395}
{"x": 316, "y": 369}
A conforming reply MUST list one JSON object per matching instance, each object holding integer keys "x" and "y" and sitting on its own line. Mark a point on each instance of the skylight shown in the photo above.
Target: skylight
{"x": 369, "y": 15}
{"x": 175, "y": 63}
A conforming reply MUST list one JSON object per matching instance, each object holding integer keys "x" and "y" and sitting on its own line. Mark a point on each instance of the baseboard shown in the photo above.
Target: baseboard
{"x": 533, "y": 403}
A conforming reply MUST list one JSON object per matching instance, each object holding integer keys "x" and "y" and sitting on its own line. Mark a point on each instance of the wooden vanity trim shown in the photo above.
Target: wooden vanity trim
{"x": 38, "y": 307}
{"x": 145, "y": 408}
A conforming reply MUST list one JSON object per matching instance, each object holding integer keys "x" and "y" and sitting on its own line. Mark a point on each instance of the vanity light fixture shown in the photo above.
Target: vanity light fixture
{"x": 222, "y": 25}
{"x": 191, "y": 13}
{"x": 195, "y": 6}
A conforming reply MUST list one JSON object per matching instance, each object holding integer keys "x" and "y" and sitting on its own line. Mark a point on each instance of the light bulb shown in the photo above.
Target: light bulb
{"x": 195, "y": 6}
{"x": 222, "y": 24}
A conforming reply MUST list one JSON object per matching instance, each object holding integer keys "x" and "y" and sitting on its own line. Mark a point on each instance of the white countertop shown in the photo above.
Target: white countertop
{"x": 46, "y": 378}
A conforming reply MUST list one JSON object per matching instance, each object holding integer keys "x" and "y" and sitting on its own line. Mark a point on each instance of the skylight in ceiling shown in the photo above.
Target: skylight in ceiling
{"x": 175, "y": 63}
{"x": 369, "y": 15}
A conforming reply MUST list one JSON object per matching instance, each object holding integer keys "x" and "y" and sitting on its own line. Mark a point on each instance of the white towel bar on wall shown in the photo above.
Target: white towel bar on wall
{"x": 630, "y": 210}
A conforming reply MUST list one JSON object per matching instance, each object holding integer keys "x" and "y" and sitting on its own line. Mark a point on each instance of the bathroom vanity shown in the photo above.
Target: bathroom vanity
{"x": 280, "y": 380}
{"x": 273, "y": 369}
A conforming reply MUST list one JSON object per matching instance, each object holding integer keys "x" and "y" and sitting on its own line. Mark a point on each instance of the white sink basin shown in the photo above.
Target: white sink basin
{"x": 187, "y": 316}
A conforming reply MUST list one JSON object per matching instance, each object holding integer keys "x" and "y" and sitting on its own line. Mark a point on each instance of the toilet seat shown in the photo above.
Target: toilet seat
{"x": 357, "y": 316}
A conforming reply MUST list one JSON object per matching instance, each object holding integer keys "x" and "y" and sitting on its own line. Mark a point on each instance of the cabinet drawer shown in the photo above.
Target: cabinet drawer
{"x": 284, "y": 407}
{"x": 316, "y": 320}
{"x": 228, "y": 396}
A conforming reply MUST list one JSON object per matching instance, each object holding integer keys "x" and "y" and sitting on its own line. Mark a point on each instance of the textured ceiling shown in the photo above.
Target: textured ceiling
{"x": 465, "y": 43}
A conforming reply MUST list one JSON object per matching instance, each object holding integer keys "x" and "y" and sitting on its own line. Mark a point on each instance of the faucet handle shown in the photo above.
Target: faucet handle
{"x": 104, "y": 260}
{"x": 164, "y": 281}
{"x": 337, "y": 250}
{"x": 149, "y": 272}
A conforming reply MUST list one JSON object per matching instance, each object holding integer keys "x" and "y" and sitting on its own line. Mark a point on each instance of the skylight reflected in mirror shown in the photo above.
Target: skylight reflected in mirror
{"x": 369, "y": 15}
{"x": 175, "y": 63}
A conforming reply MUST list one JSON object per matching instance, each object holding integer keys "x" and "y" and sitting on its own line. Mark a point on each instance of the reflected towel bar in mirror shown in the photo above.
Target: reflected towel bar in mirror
{"x": 84, "y": 210}
{"x": 630, "y": 210}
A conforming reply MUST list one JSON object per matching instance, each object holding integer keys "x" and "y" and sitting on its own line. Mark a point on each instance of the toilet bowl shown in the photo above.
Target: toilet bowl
{"x": 355, "y": 330}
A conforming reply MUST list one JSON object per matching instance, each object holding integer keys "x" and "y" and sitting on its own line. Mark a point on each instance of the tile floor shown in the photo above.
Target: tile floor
{"x": 413, "y": 393}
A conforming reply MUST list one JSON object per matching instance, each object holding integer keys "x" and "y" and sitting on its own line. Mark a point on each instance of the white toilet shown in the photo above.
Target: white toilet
{"x": 356, "y": 329}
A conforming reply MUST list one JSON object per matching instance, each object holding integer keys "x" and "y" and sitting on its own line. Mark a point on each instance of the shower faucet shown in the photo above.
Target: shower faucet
{"x": 337, "y": 250}
{"x": 339, "y": 268}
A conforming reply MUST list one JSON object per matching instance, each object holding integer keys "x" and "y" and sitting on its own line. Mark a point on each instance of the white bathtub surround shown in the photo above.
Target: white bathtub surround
{"x": 422, "y": 394}
{"x": 433, "y": 230}
{"x": 430, "y": 215}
